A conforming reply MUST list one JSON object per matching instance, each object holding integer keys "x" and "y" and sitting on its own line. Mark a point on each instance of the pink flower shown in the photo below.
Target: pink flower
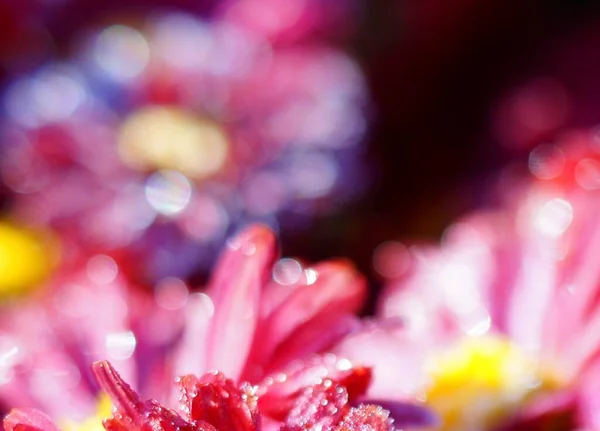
{"x": 214, "y": 402}
{"x": 272, "y": 323}
{"x": 502, "y": 318}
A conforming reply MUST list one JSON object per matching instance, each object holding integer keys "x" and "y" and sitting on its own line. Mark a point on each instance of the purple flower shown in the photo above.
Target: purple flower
{"x": 121, "y": 147}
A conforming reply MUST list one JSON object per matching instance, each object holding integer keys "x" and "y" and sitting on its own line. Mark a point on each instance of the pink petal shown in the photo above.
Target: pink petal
{"x": 338, "y": 289}
{"x": 371, "y": 417}
{"x": 235, "y": 289}
{"x": 190, "y": 352}
{"x": 319, "y": 407}
{"x": 28, "y": 420}
{"x": 386, "y": 348}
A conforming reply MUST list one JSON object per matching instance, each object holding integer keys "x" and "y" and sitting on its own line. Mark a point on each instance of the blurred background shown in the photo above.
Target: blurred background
{"x": 415, "y": 105}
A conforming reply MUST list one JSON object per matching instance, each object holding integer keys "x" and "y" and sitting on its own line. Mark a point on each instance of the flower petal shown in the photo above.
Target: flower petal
{"x": 125, "y": 399}
{"x": 216, "y": 400}
{"x": 235, "y": 289}
{"x": 316, "y": 335}
{"x": 278, "y": 393}
{"x": 369, "y": 417}
{"x": 318, "y": 407}
{"x": 386, "y": 348}
{"x": 28, "y": 420}
{"x": 338, "y": 289}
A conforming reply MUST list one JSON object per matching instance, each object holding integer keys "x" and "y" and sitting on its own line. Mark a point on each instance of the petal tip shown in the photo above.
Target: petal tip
{"x": 253, "y": 237}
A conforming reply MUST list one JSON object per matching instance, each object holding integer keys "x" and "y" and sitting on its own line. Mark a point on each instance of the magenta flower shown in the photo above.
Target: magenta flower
{"x": 271, "y": 323}
{"x": 502, "y": 318}
{"x": 213, "y": 402}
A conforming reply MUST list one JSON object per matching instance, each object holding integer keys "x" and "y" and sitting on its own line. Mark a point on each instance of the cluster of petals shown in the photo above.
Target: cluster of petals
{"x": 280, "y": 338}
{"x": 213, "y": 402}
{"x": 525, "y": 271}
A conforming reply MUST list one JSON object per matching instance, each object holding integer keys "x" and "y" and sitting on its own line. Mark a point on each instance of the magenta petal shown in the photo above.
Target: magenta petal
{"x": 277, "y": 396}
{"x": 317, "y": 335}
{"x": 28, "y": 420}
{"x": 235, "y": 289}
{"x": 338, "y": 289}
{"x": 126, "y": 399}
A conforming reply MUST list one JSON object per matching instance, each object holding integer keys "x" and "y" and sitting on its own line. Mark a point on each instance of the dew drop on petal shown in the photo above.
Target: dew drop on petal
{"x": 311, "y": 276}
{"x": 343, "y": 364}
{"x": 287, "y": 271}
{"x": 120, "y": 345}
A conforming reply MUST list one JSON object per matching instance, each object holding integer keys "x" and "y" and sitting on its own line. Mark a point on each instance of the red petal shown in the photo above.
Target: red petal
{"x": 216, "y": 400}
{"x": 371, "y": 417}
{"x": 277, "y": 396}
{"x": 125, "y": 399}
{"x": 28, "y": 420}
{"x": 134, "y": 414}
{"x": 318, "y": 407}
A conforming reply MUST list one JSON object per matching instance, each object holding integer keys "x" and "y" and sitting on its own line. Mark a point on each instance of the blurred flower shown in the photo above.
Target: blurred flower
{"x": 157, "y": 140}
{"x": 273, "y": 323}
{"x": 502, "y": 318}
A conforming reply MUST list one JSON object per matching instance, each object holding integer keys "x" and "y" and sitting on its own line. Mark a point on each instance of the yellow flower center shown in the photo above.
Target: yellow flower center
{"x": 27, "y": 258}
{"x": 94, "y": 422}
{"x": 482, "y": 380}
{"x": 160, "y": 137}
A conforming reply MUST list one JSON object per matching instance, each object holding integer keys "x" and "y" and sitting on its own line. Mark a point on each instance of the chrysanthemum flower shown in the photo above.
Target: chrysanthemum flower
{"x": 149, "y": 125}
{"x": 503, "y": 316}
{"x": 213, "y": 402}
{"x": 274, "y": 324}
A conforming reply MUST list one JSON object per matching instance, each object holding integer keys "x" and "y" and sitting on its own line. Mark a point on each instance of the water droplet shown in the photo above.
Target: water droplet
{"x": 168, "y": 192}
{"x": 120, "y": 345}
{"x": 287, "y": 271}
